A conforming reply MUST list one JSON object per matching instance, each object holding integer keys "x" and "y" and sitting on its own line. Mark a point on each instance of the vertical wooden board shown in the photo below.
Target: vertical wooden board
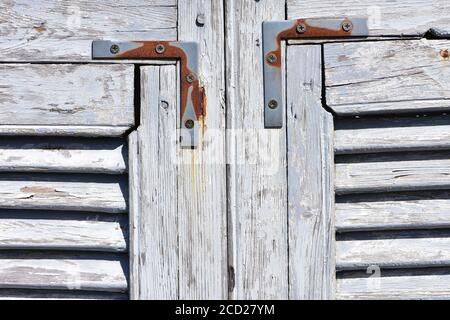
{"x": 157, "y": 228}
{"x": 310, "y": 167}
{"x": 202, "y": 172}
{"x": 257, "y": 184}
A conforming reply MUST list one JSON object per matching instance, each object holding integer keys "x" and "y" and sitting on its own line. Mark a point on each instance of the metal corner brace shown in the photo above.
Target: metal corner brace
{"x": 276, "y": 31}
{"x": 191, "y": 108}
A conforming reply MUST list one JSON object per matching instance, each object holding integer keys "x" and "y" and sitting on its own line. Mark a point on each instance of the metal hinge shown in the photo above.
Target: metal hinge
{"x": 191, "y": 108}
{"x": 276, "y": 31}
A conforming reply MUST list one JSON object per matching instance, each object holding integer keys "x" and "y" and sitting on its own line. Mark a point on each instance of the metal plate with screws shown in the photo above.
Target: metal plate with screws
{"x": 276, "y": 31}
{"x": 191, "y": 108}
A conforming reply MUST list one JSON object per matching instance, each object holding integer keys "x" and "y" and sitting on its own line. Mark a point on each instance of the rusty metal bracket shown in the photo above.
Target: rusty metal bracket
{"x": 191, "y": 108}
{"x": 276, "y": 31}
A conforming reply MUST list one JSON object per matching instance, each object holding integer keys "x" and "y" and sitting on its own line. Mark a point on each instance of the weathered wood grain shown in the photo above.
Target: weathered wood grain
{"x": 401, "y": 172}
{"x": 393, "y": 253}
{"x": 257, "y": 182}
{"x": 407, "y": 287}
{"x": 58, "y": 272}
{"x": 94, "y": 193}
{"x": 400, "y": 17}
{"x": 23, "y": 294}
{"x": 62, "y": 30}
{"x": 310, "y": 166}
{"x": 202, "y": 210}
{"x": 384, "y": 77}
{"x": 64, "y": 130}
{"x": 391, "y": 134}
{"x": 62, "y": 155}
{"x": 62, "y": 94}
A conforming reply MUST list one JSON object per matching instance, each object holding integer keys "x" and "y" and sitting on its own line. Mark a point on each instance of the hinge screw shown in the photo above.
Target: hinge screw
{"x": 189, "y": 124}
{"x": 190, "y": 78}
{"x": 273, "y": 104}
{"x": 271, "y": 58}
{"x": 160, "y": 48}
{"x": 301, "y": 28}
{"x": 347, "y": 26}
{"x": 114, "y": 49}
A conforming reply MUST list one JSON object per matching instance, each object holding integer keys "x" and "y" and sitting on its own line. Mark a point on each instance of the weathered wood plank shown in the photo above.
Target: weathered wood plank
{"x": 400, "y": 17}
{"x": 50, "y": 95}
{"x": 257, "y": 182}
{"x": 57, "y": 272}
{"x": 23, "y": 294}
{"x": 393, "y": 253}
{"x": 202, "y": 209}
{"x": 62, "y": 155}
{"x": 59, "y": 30}
{"x": 310, "y": 166}
{"x": 401, "y": 172}
{"x": 157, "y": 224}
{"x": 393, "y": 215}
{"x": 64, "y": 130}
{"x": 57, "y": 192}
{"x": 62, "y": 231}
{"x": 415, "y": 287}
{"x": 382, "y": 77}
{"x": 391, "y": 134}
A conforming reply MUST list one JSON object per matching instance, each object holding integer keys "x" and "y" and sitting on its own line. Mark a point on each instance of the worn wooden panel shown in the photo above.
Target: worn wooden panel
{"x": 61, "y": 231}
{"x": 382, "y": 77}
{"x": 202, "y": 173}
{"x": 257, "y": 182}
{"x": 64, "y": 30}
{"x": 24, "y": 294}
{"x": 310, "y": 167}
{"x": 62, "y": 155}
{"x": 93, "y": 273}
{"x": 386, "y": 17}
{"x": 407, "y": 287}
{"x": 61, "y": 192}
{"x": 62, "y": 94}
{"x": 393, "y": 253}
{"x": 394, "y": 173}
{"x": 392, "y": 134}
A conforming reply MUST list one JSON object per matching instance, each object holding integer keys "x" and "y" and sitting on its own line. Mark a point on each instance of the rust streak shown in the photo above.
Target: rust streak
{"x": 37, "y": 190}
{"x": 444, "y": 54}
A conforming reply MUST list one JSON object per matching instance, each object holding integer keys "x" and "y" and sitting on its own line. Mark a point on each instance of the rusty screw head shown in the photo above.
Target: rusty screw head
{"x": 271, "y": 58}
{"x": 160, "y": 48}
{"x": 190, "y": 78}
{"x": 114, "y": 49}
{"x": 273, "y": 104}
{"x": 189, "y": 124}
{"x": 301, "y": 28}
{"x": 347, "y": 26}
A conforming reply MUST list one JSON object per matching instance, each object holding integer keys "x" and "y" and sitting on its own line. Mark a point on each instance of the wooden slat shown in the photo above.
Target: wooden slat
{"x": 93, "y": 273}
{"x": 62, "y": 155}
{"x": 401, "y": 17}
{"x": 57, "y": 192}
{"x": 61, "y": 231}
{"x": 394, "y": 173}
{"x": 382, "y": 77}
{"x": 48, "y": 95}
{"x": 54, "y": 30}
{"x": 310, "y": 166}
{"x": 393, "y": 253}
{"x": 393, "y": 215}
{"x": 70, "y": 131}
{"x": 202, "y": 209}
{"x": 23, "y": 294}
{"x": 408, "y": 287}
{"x": 257, "y": 182}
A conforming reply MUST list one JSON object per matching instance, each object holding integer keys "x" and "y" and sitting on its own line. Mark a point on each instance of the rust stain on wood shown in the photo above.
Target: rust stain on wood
{"x": 444, "y": 54}
{"x": 38, "y": 190}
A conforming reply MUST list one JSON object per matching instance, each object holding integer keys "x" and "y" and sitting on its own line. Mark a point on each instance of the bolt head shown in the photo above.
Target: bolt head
{"x": 301, "y": 28}
{"x": 347, "y": 26}
{"x": 189, "y": 124}
{"x": 271, "y": 58}
{"x": 160, "y": 48}
{"x": 114, "y": 49}
{"x": 273, "y": 104}
{"x": 190, "y": 78}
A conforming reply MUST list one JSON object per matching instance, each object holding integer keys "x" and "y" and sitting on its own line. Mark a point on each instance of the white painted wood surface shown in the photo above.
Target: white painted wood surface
{"x": 62, "y": 155}
{"x": 62, "y": 192}
{"x": 257, "y": 182}
{"x": 384, "y": 77}
{"x": 310, "y": 181}
{"x": 407, "y": 287}
{"x": 63, "y": 31}
{"x": 399, "y": 17}
{"x": 66, "y": 95}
